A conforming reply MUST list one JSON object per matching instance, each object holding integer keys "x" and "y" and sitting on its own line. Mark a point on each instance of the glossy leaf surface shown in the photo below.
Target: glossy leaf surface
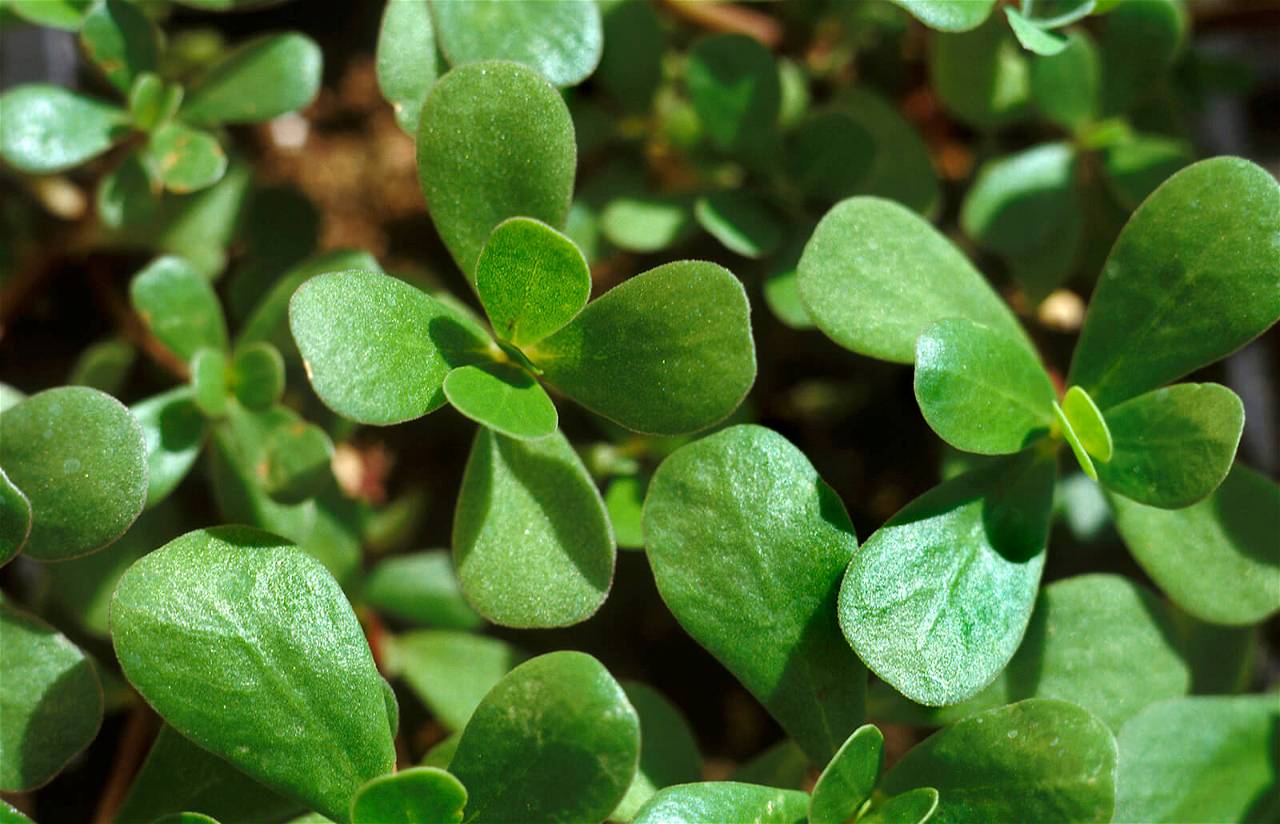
{"x": 407, "y": 64}
{"x": 264, "y": 78}
{"x": 562, "y": 41}
{"x": 15, "y": 519}
{"x": 724, "y": 801}
{"x": 531, "y": 279}
{"x": 48, "y": 129}
{"x": 451, "y": 672}
{"x": 1088, "y": 424}
{"x": 848, "y": 781}
{"x": 418, "y": 795}
{"x": 178, "y": 304}
{"x": 420, "y": 587}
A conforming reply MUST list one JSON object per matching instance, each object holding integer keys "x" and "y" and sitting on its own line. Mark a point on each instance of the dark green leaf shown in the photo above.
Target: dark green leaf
{"x": 1139, "y": 44}
{"x": 257, "y": 375}
{"x": 666, "y": 352}
{"x": 495, "y": 141}
{"x": 1136, "y": 167}
{"x": 742, "y": 222}
{"x": 15, "y": 519}
{"x": 1190, "y": 280}
{"x": 178, "y": 304}
{"x": 296, "y": 459}
{"x": 901, "y": 167}
{"x": 421, "y": 588}
{"x": 504, "y": 398}
{"x": 80, "y": 459}
{"x": 948, "y": 15}
{"x": 120, "y": 40}
{"x": 1021, "y": 203}
{"x": 630, "y": 68}
{"x": 669, "y": 754}
{"x": 747, "y": 546}
{"x": 247, "y": 646}
{"x": 450, "y": 672}
{"x": 152, "y": 101}
{"x": 49, "y": 129}
{"x": 531, "y": 280}
{"x": 733, "y": 82}
{"x": 829, "y": 155}
{"x": 982, "y": 77}
{"x": 264, "y": 78}
{"x": 210, "y": 382}
{"x": 184, "y": 159}
{"x": 104, "y": 365}
{"x": 784, "y": 765}
{"x": 419, "y": 795}
{"x": 407, "y": 62}
{"x": 723, "y": 801}
{"x": 561, "y": 40}
{"x": 847, "y": 782}
{"x": 173, "y": 429}
{"x": 1033, "y": 36}
{"x": 52, "y": 705}
{"x": 912, "y": 807}
{"x": 555, "y": 740}
{"x": 1065, "y": 86}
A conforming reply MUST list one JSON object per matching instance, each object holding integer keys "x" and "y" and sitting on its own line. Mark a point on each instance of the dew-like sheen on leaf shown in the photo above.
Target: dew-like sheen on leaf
{"x": 48, "y": 129}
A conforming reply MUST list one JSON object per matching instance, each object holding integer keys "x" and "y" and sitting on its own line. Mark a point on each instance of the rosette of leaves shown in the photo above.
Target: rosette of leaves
{"x": 171, "y": 129}
{"x": 938, "y": 599}
{"x": 668, "y": 351}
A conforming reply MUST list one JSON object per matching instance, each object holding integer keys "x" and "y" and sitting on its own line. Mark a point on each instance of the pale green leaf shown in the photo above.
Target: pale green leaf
{"x": 45, "y": 129}
{"x": 269, "y": 76}
{"x": 848, "y": 781}
{"x": 407, "y": 64}
{"x": 450, "y": 672}
{"x": 179, "y": 306}
{"x": 421, "y": 588}
{"x": 562, "y": 40}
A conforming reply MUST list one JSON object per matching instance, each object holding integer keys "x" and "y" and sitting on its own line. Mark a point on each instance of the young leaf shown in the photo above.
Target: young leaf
{"x": 555, "y": 740}
{"x": 1065, "y": 86}
{"x": 667, "y": 352}
{"x": 49, "y": 129}
{"x": 247, "y": 646}
{"x": 504, "y": 398}
{"x": 257, "y": 375}
{"x": 937, "y": 600}
{"x": 1173, "y": 446}
{"x": 901, "y": 167}
{"x": 741, "y": 221}
{"x": 178, "y": 304}
{"x": 981, "y": 390}
{"x": 724, "y": 801}
{"x": 376, "y": 349}
{"x": 264, "y": 78}
{"x": 1033, "y": 36}
{"x": 669, "y": 754}
{"x": 531, "y": 539}
{"x": 531, "y": 280}
{"x": 912, "y": 807}
{"x": 269, "y": 320}
{"x": 174, "y": 430}
{"x": 562, "y": 41}
{"x": 297, "y": 457}
{"x": 1037, "y": 760}
{"x": 747, "y": 546}
{"x": 495, "y": 141}
{"x": 1088, "y": 424}
{"x": 624, "y": 500}
{"x": 1175, "y": 755}
{"x": 451, "y": 671}
{"x": 407, "y": 62}
{"x": 120, "y": 40}
{"x": 733, "y": 83}
{"x": 1067, "y": 429}
{"x": 1190, "y": 280}
{"x": 210, "y": 383}
{"x": 80, "y": 459}
{"x": 948, "y": 15}
{"x": 847, "y": 782}
{"x": 1019, "y": 203}
{"x": 15, "y": 519}
{"x": 1217, "y": 559}
{"x": 425, "y": 795}
{"x": 52, "y": 704}
{"x": 1140, "y": 42}
{"x": 981, "y": 76}
{"x": 421, "y": 588}
{"x": 184, "y": 159}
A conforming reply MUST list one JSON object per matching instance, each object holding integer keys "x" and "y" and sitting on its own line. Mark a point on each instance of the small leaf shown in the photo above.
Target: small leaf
{"x": 1140, "y": 42}
{"x": 296, "y": 463}
{"x": 184, "y": 159}
{"x": 210, "y": 383}
{"x": 120, "y": 40}
{"x": 901, "y": 166}
{"x": 829, "y": 155}
{"x": 531, "y": 280}
{"x": 848, "y": 781}
{"x": 179, "y": 306}
{"x": 747, "y": 545}
{"x": 80, "y": 459}
{"x": 153, "y": 101}
{"x": 531, "y": 539}
{"x": 49, "y": 129}
{"x": 630, "y": 69}
{"x": 421, "y": 588}
{"x": 1190, "y": 280}
{"x": 174, "y": 431}
{"x": 261, "y": 79}
{"x": 503, "y": 398}
{"x": 1174, "y": 755}
{"x": 52, "y": 704}
{"x": 562, "y": 41}
{"x": 58, "y": 14}
{"x": 743, "y": 223}
{"x": 1033, "y": 36}
{"x": 555, "y": 740}
{"x": 407, "y": 64}
{"x": 247, "y": 646}
{"x": 1054, "y": 14}
{"x": 376, "y": 349}
{"x": 912, "y": 807}
{"x": 15, "y": 519}
{"x": 624, "y": 499}
{"x": 1137, "y": 166}
{"x": 982, "y": 77}
{"x": 1173, "y": 446}
{"x": 257, "y": 375}
{"x": 1037, "y": 760}
{"x": 981, "y": 390}
{"x": 644, "y": 222}
{"x": 1068, "y": 432}
{"x": 937, "y": 600}
{"x": 425, "y": 795}
{"x": 869, "y": 252}
{"x": 496, "y": 141}
{"x": 1088, "y": 424}
{"x": 669, "y": 754}
{"x": 667, "y": 352}
{"x": 1218, "y": 558}
{"x": 724, "y": 801}
{"x": 733, "y": 83}
{"x": 451, "y": 672}
{"x": 1065, "y": 87}
{"x": 104, "y": 365}
{"x": 1020, "y": 203}
{"x": 269, "y": 320}
{"x": 948, "y": 15}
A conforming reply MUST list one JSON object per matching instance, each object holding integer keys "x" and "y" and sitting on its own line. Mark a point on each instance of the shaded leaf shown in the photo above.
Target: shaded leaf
{"x": 1139, "y": 44}
{"x": 210, "y": 382}
{"x": 733, "y": 83}
{"x": 59, "y": 14}
{"x": 829, "y": 155}
{"x": 422, "y": 588}
{"x": 743, "y": 223}
{"x": 451, "y": 672}
{"x": 562, "y": 41}
{"x": 1020, "y": 203}
{"x": 257, "y": 375}
{"x": 104, "y": 365}
{"x": 624, "y": 500}
{"x": 669, "y": 754}
{"x": 1136, "y": 167}
{"x": 1065, "y": 86}
{"x": 912, "y": 807}
{"x": 419, "y": 794}
{"x": 982, "y": 77}
{"x": 630, "y": 68}
{"x": 174, "y": 431}
{"x": 15, "y": 519}
{"x": 901, "y": 167}
{"x": 264, "y": 78}
{"x": 120, "y": 40}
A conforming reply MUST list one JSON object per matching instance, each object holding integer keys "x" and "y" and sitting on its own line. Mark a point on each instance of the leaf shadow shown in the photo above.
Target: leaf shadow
{"x": 1244, "y": 518}
{"x": 1266, "y": 806}
{"x": 49, "y": 724}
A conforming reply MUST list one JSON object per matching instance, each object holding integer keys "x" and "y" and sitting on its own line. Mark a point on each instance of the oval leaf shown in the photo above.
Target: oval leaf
{"x": 981, "y": 76}
{"x": 179, "y": 306}
{"x": 174, "y": 431}
{"x": 504, "y": 398}
{"x": 531, "y": 280}
{"x": 184, "y": 159}
{"x": 120, "y": 40}
{"x": 421, "y": 588}
{"x": 49, "y": 129}
{"x": 948, "y": 15}
{"x": 562, "y": 40}
{"x": 407, "y": 64}
{"x": 848, "y": 781}
{"x": 724, "y": 801}
{"x": 912, "y": 807}
{"x": 425, "y": 795}
{"x": 742, "y": 222}
{"x": 451, "y": 672}
{"x": 264, "y": 78}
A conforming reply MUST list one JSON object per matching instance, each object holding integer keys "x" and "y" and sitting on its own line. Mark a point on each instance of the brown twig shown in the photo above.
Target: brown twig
{"x": 138, "y": 733}
{"x": 729, "y": 17}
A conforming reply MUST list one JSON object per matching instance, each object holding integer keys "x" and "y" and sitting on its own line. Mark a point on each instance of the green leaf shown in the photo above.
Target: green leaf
{"x": 297, "y": 457}
{"x": 624, "y": 500}
{"x": 1037, "y": 760}
{"x": 121, "y": 41}
{"x": 937, "y": 600}
{"x": 1088, "y": 424}
{"x": 784, "y": 765}
{"x": 1053, "y": 14}
{"x": 49, "y": 129}
{"x": 247, "y": 646}
{"x": 724, "y": 801}
{"x": 948, "y": 15}
{"x": 440, "y": 754}
{"x": 1140, "y": 42}
{"x": 901, "y": 166}
{"x": 644, "y": 222}
{"x": 531, "y": 280}
{"x": 1190, "y": 280}
{"x": 912, "y": 807}
{"x": 875, "y": 275}
{"x": 421, "y": 588}
{"x": 80, "y": 459}
{"x": 15, "y": 519}
{"x": 257, "y": 375}
{"x": 669, "y": 754}
{"x": 179, "y": 306}
{"x": 829, "y": 155}
{"x": 531, "y": 539}
{"x": 450, "y": 672}
{"x": 184, "y": 159}
{"x": 178, "y": 775}
{"x": 52, "y": 704}
{"x": 1033, "y": 36}
{"x": 261, "y": 79}
{"x": 503, "y": 398}
{"x": 174, "y": 431}
{"x": 495, "y": 141}
{"x": 425, "y": 795}
{"x": 1065, "y": 86}
{"x": 376, "y": 349}
{"x": 104, "y": 365}
{"x": 59, "y": 14}
{"x": 10, "y": 814}
{"x": 1173, "y": 446}
{"x": 152, "y": 101}
{"x": 269, "y": 320}
{"x": 555, "y": 740}
{"x": 742, "y": 222}
{"x": 210, "y": 383}
{"x": 407, "y": 64}
{"x": 1137, "y": 166}
{"x": 982, "y": 77}
{"x": 562, "y": 41}
{"x": 186, "y": 818}
{"x": 747, "y": 546}
{"x": 1068, "y": 432}
{"x": 848, "y": 781}
{"x": 1019, "y": 204}
{"x": 733, "y": 83}
{"x": 981, "y": 390}
{"x": 630, "y": 69}
{"x": 667, "y": 352}
{"x": 1217, "y": 559}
